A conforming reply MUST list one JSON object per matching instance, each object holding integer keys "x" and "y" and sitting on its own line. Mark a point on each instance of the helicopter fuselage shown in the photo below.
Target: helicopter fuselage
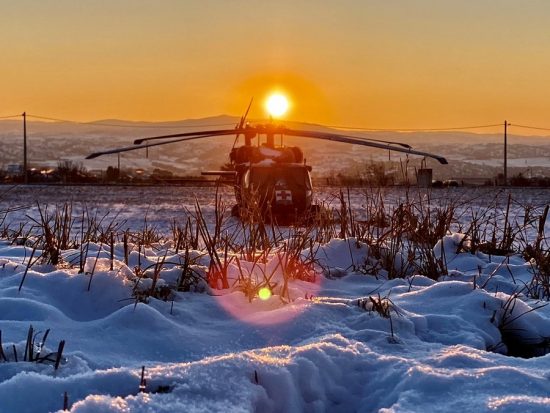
{"x": 274, "y": 180}
{"x": 281, "y": 190}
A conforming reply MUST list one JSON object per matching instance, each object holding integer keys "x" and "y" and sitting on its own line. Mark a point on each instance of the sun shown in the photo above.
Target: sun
{"x": 277, "y": 104}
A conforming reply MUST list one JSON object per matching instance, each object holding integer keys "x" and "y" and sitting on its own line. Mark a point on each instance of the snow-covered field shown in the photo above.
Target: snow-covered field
{"x": 514, "y": 162}
{"x": 340, "y": 337}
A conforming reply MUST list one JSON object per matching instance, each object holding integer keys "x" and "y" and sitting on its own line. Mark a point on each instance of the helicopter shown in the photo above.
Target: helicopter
{"x": 274, "y": 178}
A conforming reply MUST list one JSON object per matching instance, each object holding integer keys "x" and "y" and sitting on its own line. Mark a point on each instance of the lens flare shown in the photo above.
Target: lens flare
{"x": 264, "y": 293}
{"x": 277, "y": 104}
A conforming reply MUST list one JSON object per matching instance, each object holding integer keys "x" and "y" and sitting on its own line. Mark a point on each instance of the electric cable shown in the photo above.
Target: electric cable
{"x": 410, "y": 129}
{"x": 358, "y": 128}
{"x": 528, "y": 127}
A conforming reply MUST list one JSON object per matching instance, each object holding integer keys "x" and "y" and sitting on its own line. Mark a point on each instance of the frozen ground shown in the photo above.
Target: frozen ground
{"x": 159, "y": 206}
{"x": 513, "y": 163}
{"x": 343, "y": 341}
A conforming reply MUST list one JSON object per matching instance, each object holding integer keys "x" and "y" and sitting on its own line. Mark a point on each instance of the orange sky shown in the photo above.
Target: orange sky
{"x": 407, "y": 64}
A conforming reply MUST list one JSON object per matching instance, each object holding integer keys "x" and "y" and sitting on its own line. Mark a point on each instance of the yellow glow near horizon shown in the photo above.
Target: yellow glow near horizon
{"x": 277, "y": 104}
{"x": 264, "y": 293}
{"x": 391, "y": 65}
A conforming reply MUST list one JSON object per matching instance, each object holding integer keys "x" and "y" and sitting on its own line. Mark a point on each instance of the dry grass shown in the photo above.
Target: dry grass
{"x": 34, "y": 350}
{"x": 400, "y": 239}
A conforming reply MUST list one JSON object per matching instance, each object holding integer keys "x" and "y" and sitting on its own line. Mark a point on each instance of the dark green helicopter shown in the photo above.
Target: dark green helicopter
{"x": 274, "y": 178}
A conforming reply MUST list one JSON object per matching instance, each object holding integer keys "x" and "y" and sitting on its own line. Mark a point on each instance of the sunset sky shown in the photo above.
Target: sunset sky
{"x": 387, "y": 64}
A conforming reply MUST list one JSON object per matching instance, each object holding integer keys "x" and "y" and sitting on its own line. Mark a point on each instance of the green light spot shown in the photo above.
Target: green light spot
{"x": 264, "y": 293}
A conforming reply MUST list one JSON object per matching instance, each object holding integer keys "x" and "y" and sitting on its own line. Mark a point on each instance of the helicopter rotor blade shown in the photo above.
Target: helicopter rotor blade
{"x": 242, "y": 121}
{"x": 356, "y": 141}
{"x": 179, "y": 135}
{"x": 404, "y": 145}
{"x": 387, "y": 145}
{"x": 240, "y": 130}
{"x": 185, "y": 137}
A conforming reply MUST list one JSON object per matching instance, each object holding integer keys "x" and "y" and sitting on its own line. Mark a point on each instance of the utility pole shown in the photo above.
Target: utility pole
{"x": 25, "y": 173}
{"x": 505, "y": 153}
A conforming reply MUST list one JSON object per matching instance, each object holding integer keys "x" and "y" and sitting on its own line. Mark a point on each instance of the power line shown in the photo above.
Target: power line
{"x": 529, "y": 127}
{"x": 412, "y": 130}
{"x": 358, "y": 128}
{"x": 128, "y": 126}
